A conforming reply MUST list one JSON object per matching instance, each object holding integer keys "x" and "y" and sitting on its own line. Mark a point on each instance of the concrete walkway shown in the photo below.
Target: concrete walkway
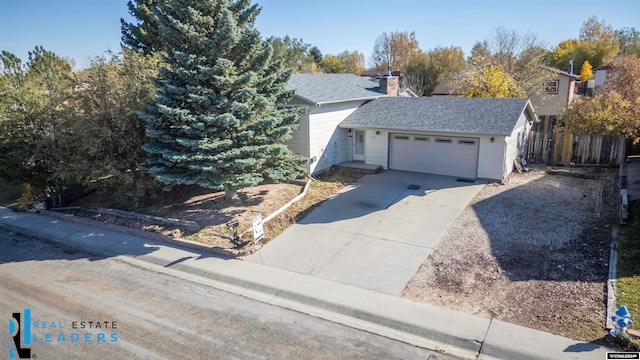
{"x": 373, "y": 234}
{"x": 455, "y": 333}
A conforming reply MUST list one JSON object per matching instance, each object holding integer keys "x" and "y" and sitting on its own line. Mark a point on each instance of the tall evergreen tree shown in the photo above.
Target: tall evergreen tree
{"x": 316, "y": 54}
{"x": 218, "y": 121}
{"x": 32, "y": 96}
{"x": 143, "y": 36}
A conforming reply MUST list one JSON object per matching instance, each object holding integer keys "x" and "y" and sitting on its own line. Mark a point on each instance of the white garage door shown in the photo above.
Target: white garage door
{"x": 443, "y": 155}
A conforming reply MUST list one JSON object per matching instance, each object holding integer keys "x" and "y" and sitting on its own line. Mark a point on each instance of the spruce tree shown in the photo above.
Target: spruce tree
{"x": 218, "y": 120}
{"x": 142, "y": 36}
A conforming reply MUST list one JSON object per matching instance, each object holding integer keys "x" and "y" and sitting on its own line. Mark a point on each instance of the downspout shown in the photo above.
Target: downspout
{"x": 505, "y": 149}
{"x": 317, "y": 105}
{"x": 571, "y": 80}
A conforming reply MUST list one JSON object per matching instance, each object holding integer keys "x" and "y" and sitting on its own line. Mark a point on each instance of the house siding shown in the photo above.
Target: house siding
{"x": 600, "y": 79}
{"x": 516, "y": 144}
{"x": 553, "y": 104}
{"x": 376, "y": 148}
{"x": 328, "y": 144}
{"x": 491, "y": 157}
{"x": 299, "y": 142}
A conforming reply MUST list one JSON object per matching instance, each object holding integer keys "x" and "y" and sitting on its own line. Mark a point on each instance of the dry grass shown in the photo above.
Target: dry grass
{"x": 212, "y": 211}
{"x": 319, "y": 191}
{"x": 628, "y": 276}
{"x": 207, "y": 208}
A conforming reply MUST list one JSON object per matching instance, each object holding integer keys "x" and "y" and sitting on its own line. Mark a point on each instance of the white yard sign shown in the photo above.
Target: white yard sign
{"x": 258, "y": 229}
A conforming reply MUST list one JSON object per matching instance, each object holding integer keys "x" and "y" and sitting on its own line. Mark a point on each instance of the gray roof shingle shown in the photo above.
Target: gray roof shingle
{"x": 332, "y": 88}
{"x": 440, "y": 114}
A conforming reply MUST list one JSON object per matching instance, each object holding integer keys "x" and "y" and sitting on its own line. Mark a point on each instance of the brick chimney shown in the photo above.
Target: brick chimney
{"x": 390, "y": 85}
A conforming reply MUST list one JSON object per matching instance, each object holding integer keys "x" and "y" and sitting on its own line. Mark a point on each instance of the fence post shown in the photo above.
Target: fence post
{"x": 567, "y": 148}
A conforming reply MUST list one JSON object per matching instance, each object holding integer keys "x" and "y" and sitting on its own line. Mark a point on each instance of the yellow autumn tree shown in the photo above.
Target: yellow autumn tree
{"x": 597, "y": 43}
{"x": 332, "y": 65}
{"x": 484, "y": 79}
{"x": 613, "y": 110}
{"x": 586, "y": 72}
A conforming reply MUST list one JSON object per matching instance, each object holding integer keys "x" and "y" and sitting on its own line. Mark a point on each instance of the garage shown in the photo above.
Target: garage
{"x": 468, "y": 138}
{"x": 434, "y": 154}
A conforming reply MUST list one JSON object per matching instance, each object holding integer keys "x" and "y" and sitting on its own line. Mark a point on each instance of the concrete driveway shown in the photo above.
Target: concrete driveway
{"x": 374, "y": 233}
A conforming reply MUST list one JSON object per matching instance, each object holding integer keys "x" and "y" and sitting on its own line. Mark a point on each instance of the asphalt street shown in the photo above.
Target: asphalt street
{"x": 150, "y": 315}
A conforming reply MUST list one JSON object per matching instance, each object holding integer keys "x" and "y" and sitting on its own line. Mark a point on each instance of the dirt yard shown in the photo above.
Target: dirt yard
{"x": 213, "y": 212}
{"x": 208, "y": 209}
{"x": 533, "y": 252}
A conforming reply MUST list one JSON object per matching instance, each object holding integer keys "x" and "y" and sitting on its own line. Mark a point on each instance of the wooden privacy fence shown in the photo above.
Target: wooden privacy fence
{"x": 564, "y": 148}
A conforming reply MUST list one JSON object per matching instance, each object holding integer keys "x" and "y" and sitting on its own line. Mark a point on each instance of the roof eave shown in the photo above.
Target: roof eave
{"x": 346, "y": 126}
{"x": 560, "y": 72}
{"x": 307, "y": 100}
{"x": 355, "y": 99}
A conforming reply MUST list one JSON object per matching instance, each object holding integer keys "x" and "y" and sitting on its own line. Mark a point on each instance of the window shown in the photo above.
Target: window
{"x": 467, "y": 142}
{"x": 551, "y": 87}
{"x": 399, "y": 137}
{"x": 448, "y": 141}
{"x": 420, "y": 138}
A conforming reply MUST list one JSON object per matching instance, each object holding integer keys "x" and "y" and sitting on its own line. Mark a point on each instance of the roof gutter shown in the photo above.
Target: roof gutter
{"x": 419, "y": 130}
{"x": 347, "y": 100}
{"x": 309, "y": 101}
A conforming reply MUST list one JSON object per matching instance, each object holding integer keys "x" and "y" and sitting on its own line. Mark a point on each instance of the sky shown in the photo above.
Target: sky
{"x": 81, "y": 29}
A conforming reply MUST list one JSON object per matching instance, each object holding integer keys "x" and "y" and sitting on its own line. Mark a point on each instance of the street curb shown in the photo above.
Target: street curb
{"x": 431, "y": 338}
{"x": 445, "y": 343}
{"x": 215, "y": 250}
{"x": 421, "y": 328}
{"x": 346, "y": 315}
{"x": 611, "y": 281}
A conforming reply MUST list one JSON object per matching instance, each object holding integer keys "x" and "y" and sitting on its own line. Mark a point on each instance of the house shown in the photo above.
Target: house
{"x": 329, "y": 99}
{"x": 558, "y": 91}
{"x": 352, "y": 119}
{"x": 444, "y": 89}
{"x": 601, "y": 75}
{"x": 463, "y": 137}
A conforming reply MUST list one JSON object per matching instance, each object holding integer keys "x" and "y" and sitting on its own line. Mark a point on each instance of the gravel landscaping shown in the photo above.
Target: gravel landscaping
{"x": 533, "y": 252}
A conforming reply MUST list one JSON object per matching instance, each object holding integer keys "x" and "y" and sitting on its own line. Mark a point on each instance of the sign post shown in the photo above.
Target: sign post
{"x": 258, "y": 229}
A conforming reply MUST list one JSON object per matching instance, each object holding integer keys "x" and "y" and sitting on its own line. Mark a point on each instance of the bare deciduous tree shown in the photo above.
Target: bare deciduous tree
{"x": 424, "y": 71}
{"x": 518, "y": 55}
{"x": 353, "y": 61}
{"x": 394, "y": 50}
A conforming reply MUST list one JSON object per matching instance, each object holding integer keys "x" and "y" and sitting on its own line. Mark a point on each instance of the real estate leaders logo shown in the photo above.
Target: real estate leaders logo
{"x": 25, "y": 331}
{"x": 15, "y": 327}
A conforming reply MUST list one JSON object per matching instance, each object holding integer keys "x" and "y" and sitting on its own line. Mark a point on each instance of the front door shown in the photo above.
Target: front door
{"x": 358, "y": 146}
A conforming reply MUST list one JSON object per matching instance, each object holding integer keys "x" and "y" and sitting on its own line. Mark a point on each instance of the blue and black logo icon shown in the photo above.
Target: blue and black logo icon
{"x": 15, "y": 329}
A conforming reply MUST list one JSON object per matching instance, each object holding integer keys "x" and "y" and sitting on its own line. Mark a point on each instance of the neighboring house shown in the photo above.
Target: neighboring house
{"x": 329, "y": 99}
{"x": 444, "y": 89}
{"x": 556, "y": 94}
{"x": 468, "y": 138}
{"x": 601, "y": 75}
